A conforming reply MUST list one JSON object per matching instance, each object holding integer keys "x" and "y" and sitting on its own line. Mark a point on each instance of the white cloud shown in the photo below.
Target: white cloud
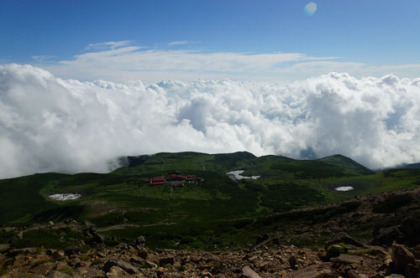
{"x": 107, "y": 45}
{"x": 130, "y": 59}
{"x": 176, "y": 43}
{"x": 51, "y": 124}
{"x": 120, "y": 61}
{"x": 44, "y": 58}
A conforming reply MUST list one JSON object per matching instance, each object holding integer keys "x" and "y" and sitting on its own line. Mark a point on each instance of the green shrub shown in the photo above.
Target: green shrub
{"x": 335, "y": 250}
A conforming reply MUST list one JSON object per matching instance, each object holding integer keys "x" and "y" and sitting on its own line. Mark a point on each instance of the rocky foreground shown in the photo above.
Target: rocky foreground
{"x": 393, "y": 251}
{"x": 342, "y": 256}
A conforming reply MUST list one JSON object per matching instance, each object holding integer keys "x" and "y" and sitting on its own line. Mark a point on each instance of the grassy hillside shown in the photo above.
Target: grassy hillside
{"x": 122, "y": 205}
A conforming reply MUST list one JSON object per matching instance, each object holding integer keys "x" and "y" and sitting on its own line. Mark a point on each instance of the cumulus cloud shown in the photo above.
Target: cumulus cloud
{"x": 51, "y": 124}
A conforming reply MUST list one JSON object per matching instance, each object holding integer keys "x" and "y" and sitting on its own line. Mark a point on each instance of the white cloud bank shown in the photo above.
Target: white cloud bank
{"x": 51, "y": 124}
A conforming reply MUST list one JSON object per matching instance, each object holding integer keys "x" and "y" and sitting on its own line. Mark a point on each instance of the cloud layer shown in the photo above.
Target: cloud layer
{"x": 51, "y": 124}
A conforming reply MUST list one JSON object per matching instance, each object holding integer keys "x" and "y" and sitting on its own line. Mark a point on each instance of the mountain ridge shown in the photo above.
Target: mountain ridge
{"x": 344, "y": 163}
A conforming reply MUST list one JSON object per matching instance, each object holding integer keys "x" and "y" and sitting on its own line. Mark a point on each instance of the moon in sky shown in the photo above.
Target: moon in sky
{"x": 310, "y": 8}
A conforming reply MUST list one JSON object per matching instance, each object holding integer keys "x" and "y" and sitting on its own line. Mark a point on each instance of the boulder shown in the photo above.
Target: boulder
{"x": 386, "y": 236}
{"x": 249, "y": 273}
{"x": 293, "y": 262}
{"x": 313, "y": 271}
{"x": 343, "y": 237}
{"x": 131, "y": 269}
{"x": 335, "y": 250}
{"x": 142, "y": 252}
{"x": 401, "y": 257}
{"x": 347, "y": 259}
{"x": 115, "y": 272}
{"x": 97, "y": 239}
{"x": 410, "y": 229}
{"x": 354, "y": 274}
{"x": 137, "y": 260}
{"x": 206, "y": 274}
{"x": 140, "y": 240}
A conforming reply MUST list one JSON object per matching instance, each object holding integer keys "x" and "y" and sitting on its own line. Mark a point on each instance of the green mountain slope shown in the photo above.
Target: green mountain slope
{"x": 123, "y": 205}
{"x": 347, "y": 165}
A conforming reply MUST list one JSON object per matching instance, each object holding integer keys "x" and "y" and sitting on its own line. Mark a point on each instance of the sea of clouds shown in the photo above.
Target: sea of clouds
{"x": 51, "y": 124}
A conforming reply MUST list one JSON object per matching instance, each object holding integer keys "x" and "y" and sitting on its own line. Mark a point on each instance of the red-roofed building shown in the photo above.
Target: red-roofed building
{"x": 157, "y": 180}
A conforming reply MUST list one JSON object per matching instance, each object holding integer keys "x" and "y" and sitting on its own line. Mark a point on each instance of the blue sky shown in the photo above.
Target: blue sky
{"x": 211, "y": 38}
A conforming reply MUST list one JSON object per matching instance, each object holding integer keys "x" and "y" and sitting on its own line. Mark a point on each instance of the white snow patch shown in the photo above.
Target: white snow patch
{"x": 65, "y": 196}
{"x": 344, "y": 188}
{"x": 236, "y": 175}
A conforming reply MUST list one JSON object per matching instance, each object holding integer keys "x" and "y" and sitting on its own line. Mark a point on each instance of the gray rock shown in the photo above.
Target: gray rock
{"x": 347, "y": 259}
{"x": 249, "y": 273}
{"x": 57, "y": 274}
{"x": 131, "y": 269}
{"x": 140, "y": 240}
{"x": 354, "y": 274}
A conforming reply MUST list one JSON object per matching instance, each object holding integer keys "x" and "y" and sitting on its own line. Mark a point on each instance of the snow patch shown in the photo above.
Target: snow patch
{"x": 344, "y": 188}
{"x": 236, "y": 175}
{"x": 65, "y": 196}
